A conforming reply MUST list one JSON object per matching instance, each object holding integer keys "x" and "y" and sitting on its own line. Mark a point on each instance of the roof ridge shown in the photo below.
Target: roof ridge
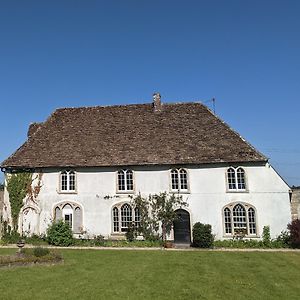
{"x": 128, "y": 105}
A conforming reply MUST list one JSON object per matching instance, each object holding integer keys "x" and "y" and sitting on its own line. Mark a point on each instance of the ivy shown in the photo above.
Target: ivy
{"x": 18, "y": 185}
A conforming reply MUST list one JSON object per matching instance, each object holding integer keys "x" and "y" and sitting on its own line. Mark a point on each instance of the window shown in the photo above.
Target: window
{"x": 125, "y": 180}
{"x": 126, "y": 216}
{"x": 179, "y": 180}
{"x": 236, "y": 179}
{"x": 71, "y": 214}
{"x": 67, "y": 181}
{"x": 123, "y": 216}
{"x": 239, "y": 218}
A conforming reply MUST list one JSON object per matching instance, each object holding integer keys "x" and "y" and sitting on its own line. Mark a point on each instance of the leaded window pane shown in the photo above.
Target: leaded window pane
{"x": 126, "y": 217}
{"x": 231, "y": 179}
{"x": 121, "y": 180}
{"x": 241, "y": 179}
{"x": 227, "y": 220}
{"x": 239, "y": 217}
{"x": 116, "y": 219}
{"x": 183, "y": 179}
{"x": 174, "y": 179}
{"x": 137, "y": 217}
{"x": 129, "y": 180}
{"x": 72, "y": 181}
{"x": 251, "y": 221}
{"x": 64, "y": 181}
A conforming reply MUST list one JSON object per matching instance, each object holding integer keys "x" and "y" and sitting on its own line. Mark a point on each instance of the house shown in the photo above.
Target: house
{"x": 89, "y": 161}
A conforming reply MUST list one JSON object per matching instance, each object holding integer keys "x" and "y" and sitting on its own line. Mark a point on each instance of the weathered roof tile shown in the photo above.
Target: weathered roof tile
{"x": 182, "y": 133}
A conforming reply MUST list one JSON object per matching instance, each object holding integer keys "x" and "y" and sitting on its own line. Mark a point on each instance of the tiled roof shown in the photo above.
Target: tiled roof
{"x": 181, "y": 133}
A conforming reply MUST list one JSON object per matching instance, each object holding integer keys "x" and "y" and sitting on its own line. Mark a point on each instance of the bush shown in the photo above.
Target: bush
{"x": 60, "y": 234}
{"x": 40, "y": 251}
{"x": 266, "y": 236}
{"x": 202, "y": 236}
{"x": 99, "y": 240}
{"x": 294, "y": 228}
{"x": 284, "y": 238}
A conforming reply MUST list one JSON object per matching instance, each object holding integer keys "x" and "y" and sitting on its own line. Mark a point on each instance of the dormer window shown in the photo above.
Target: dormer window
{"x": 67, "y": 181}
{"x": 179, "y": 180}
{"x": 125, "y": 180}
{"x": 236, "y": 179}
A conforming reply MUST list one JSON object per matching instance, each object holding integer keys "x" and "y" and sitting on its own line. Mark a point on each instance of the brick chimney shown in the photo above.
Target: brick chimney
{"x": 156, "y": 102}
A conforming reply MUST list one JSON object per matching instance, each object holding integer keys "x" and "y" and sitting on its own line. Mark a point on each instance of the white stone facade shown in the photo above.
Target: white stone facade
{"x": 96, "y": 194}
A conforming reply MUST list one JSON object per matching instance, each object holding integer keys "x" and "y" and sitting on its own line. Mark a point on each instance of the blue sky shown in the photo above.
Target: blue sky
{"x": 66, "y": 53}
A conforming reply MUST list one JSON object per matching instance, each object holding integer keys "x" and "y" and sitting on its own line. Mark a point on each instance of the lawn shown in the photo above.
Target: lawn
{"x": 116, "y": 274}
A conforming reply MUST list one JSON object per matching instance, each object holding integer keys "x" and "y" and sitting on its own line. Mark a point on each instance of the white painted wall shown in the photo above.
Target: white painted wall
{"x": 267, "y": 192}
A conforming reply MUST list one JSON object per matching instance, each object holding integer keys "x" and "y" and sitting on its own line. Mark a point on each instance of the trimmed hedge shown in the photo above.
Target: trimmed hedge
{"x": 202, "y": 236}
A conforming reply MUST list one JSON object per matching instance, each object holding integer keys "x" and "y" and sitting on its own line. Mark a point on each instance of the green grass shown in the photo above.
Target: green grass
{"x": 116, "y": 274}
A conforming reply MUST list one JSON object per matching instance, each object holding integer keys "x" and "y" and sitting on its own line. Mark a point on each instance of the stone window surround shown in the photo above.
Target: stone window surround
{"x": 246, "y": 190}
{"x": 74, "y": 206}
{"x": 60, "y": 191}
{"x": 179, "y": 190}
{"x": 119, "y": 206}
{"x": 246, "y": 206}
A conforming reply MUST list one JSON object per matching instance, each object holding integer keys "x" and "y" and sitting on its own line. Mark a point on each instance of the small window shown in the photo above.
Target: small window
{"x": 68, "y": 181}
{"x": 179, "y": 180}
{"x": 236, "y": 179}
{"x": 125, "y": 180}
{"x": 68, "y": 220}
{"x": 239, "y": 218}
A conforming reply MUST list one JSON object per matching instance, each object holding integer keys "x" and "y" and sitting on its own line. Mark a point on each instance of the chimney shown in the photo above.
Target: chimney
{"x": 156, "y": 102}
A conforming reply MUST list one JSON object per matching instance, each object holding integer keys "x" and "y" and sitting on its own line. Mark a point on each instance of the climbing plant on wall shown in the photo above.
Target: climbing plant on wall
{"x": 18, "y": 185}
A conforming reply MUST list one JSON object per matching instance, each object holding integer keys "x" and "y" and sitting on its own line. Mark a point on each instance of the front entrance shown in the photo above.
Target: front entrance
{"x": 182, "y": 227}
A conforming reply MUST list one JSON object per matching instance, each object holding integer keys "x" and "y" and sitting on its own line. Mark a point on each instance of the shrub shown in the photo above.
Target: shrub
{"x": 266, "y": 236}
{"x": 284, "y": 239}
{"x": 131, "y": 233}
{"x": 294, "y": 228}
{"x": 40, "y": 251}
{"x": 99, "y": 240}
{"x": 202, "y": 236}
{"x": 60, "y": 234}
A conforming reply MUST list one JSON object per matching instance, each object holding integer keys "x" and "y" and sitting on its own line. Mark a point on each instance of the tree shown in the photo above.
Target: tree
{"x": 158, "y": 209}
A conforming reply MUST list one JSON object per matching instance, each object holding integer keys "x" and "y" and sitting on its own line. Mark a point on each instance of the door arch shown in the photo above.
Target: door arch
{"x": 182, "y": 227}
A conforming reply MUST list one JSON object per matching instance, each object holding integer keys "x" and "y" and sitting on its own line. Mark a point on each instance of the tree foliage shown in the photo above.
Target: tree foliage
{"x": 157, "y": 210}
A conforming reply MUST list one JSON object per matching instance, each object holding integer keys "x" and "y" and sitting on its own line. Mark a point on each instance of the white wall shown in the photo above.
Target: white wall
{"x": 267, "y": 192}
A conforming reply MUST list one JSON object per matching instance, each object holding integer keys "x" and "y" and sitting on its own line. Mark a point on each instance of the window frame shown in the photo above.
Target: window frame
{"x": 69, "y": 173}
{"x": 121, "y": 228}
{"x": 126, "y": 184}
{"x": 178, "y": 171}
{"x": 236, "y": 180}
{"x": 249, "y": 227}
{"x": 60, "y": 206}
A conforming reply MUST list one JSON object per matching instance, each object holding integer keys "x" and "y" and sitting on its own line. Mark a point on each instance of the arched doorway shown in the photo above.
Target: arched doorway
{"x": 182, "y": 227}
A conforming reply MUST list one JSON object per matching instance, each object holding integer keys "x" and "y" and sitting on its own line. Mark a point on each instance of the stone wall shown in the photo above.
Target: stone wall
{"x": 1, "y": 202}
{"x": 295, "y": 204}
